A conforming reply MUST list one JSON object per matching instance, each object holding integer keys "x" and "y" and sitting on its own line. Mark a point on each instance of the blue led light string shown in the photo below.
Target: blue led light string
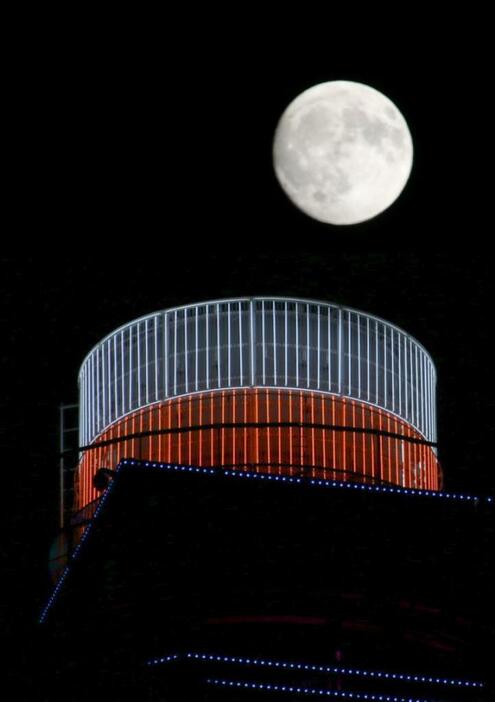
{"x": 287, "y": 665}
{"x": 294, "y": 689}
{"x": 336, "y": 484}
{"x": 75, "y": 554}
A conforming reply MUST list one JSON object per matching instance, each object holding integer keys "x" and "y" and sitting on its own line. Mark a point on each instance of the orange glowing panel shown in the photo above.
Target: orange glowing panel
{"x": 301, "y": 439}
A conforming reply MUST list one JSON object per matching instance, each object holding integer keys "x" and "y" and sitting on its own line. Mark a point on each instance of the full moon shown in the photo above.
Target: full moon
{"x": 342, "y": 152}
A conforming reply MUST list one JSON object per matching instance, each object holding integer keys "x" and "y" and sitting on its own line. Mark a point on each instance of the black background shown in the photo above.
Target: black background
{"x": 142, "y": 179}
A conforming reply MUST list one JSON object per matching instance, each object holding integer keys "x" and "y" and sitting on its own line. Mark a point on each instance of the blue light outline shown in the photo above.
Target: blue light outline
{"x": 276, "y": 687}
{"x": 312, "y": 482}
{"x": 264, "y": 662}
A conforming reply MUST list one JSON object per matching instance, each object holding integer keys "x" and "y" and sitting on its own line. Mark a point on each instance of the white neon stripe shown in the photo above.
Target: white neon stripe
{"x": 186, "y": 355}
{"x": 275, "y": 376}
{"x": 377, "y": 396}
{"x": 413, "y": 394}
{"x": 358, "y": 327}
{"x": 417, "y": 384}
{"x": 399, "y": 371}
{"x": 385, "y": 398}
{"x": 318, "y": 348}
{"x": 103, "y": 386}
{"x": 263, "y": 342}
{"x": 197, "y": 351}
{"x": 286, "y": 350}
{"x": 115, "y": 378}
{"x": 349, "y": 354}
{"x": 308, "y": 354}
{"x": 138, "y": 362}
{"x": 157, "y": 397}
{"x": 329, "y": 321}
{"x": 339, "y": 353}
{"x": 368, "y": 365}
{"x": 122, "y": 373}
{"x": 392, "y": 348}
{"x": 175, "y": 352}
{"x": 241, "y": 372}
{"x": 207, "y": 345}
{"x": 146, "y": 361}
{"x": 218, "y": 348}
{"x": 165, "y": 351}
{"x": 229, "y": 346}
{"x": 297, "y": 344}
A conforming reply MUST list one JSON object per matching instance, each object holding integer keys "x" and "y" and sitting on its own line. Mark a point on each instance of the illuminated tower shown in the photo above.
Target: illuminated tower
{"x": 280, "y": 385}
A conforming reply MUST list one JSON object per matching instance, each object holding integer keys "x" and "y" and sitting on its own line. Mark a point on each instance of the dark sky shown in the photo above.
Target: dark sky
{"x": 148, "y": 183}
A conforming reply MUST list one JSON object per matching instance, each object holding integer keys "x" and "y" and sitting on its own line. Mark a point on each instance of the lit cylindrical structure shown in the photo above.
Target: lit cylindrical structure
{"x": 271, "y": 384}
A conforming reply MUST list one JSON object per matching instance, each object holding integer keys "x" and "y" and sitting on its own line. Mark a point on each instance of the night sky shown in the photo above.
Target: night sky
{"x": 149, "y": 184}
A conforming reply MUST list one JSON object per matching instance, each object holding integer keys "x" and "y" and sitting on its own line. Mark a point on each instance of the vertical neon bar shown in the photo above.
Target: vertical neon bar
{"x": 196, "y": 348}
{"x": 358, "y": 327}
{"x": 222, "y": 433}
{"x": 175, "y": 352}
{"x": 385, "y": 397}
{"x": 324, "y": 431}
{"x": 313, "y": 456}
{"x": 97, "y": 354}
{"x": 160, "y": 436}
{"x": 297, "y": 344}
{"x": 339, "y": 353}
{"x": 308, "y": 354}
{"x": 133, "y": 442}
{"x": 122, "y": 372}
{"x": 318, "y": 349}
{"x": 291, "y": 455}
{"x": 165, "y": 351}
{"x": 241, "y": 372}
{"x": 399, "y": 372}
{"x": 155, "y": 340}
{"x": 256, "y": 420}
{"x": 179, "y": 425}
{"x": 372, "y": 441}
{"x": 234, "y": 430}
{"x": 246, "y": 456}
{"x": 354, "y": 453}
{"x": 190, "y": 432}
{"x": 344, "y": 441}
{"x": 389, "y": 451}
{"x": 406, "y": 381}
{"x": 279, "y": 420}
{"x": 219, "y": 359}
{"x": 392, "y": 367}
{"x": 103, "y": 386}
{"x": 334, "y": 436}
{"x": 329, "y": 324}
{"x": 268, "y": 431}
{"x": 286, "y": 344}
{"x": 138, "y": 359}
{"x": 151, "y": 425}
{"x": 349, "y": 354}
{"x": 186, "y": 352}
{"x": 115, "y": 378}
{"x": 301, "y": 434}
{"x": 207, "y": 345}
{"x": 377, "y": 396}
{"x": 229, "y": 345}
{"x": 364, "y": 436}
{"x": 368, "y": 359}
{"x": 275, "y": 375}
{"x": 382, "y": 476}
{"x": 263, "y": 342}
{"x": 146, "y": 360}
{"x": 252, "y": 341}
